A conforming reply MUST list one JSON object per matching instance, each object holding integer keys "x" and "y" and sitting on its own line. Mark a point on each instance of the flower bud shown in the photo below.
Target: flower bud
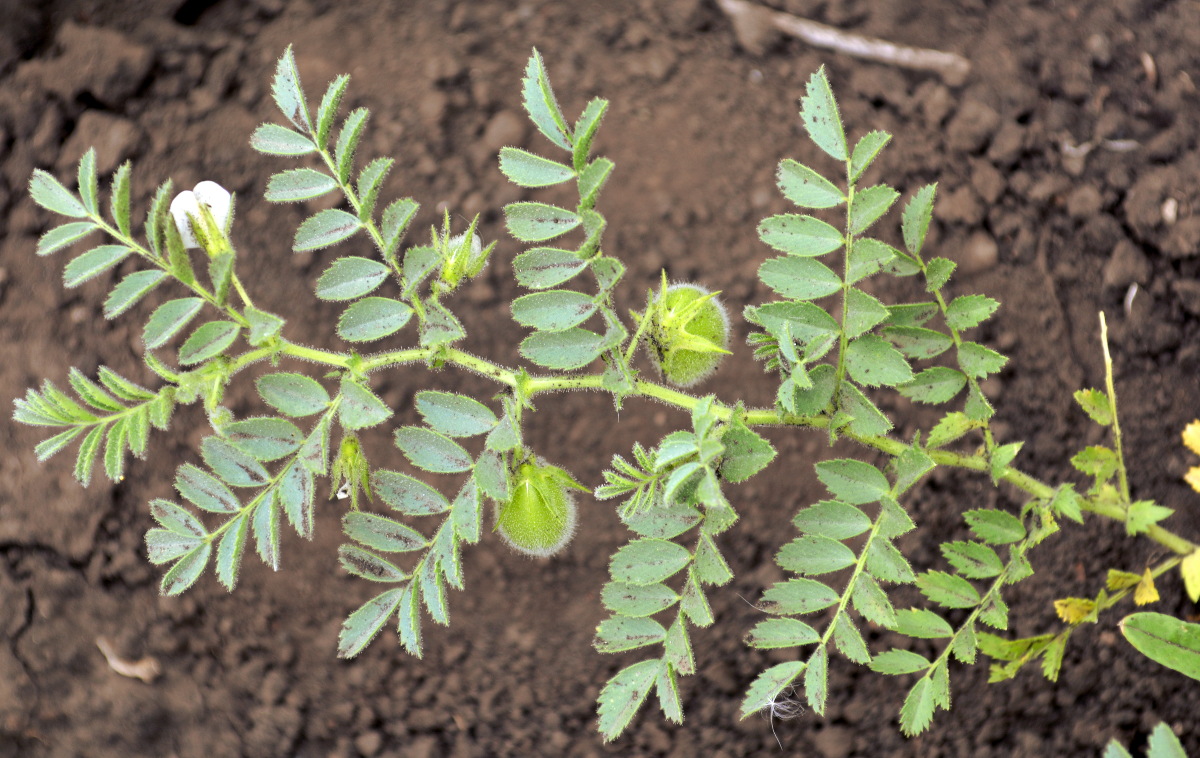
{"x": 202, "y": 217}
{"x": 463, "y": 255}
{"x": 539, "y": 517}
{"x": 687, "y": 333}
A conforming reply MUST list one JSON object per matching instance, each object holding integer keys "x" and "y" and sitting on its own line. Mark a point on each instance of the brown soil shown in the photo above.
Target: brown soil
{"x": 696, "y": 127}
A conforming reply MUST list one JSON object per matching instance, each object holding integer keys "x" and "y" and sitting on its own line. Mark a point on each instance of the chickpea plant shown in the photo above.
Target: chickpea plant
{"x": 261, "y": 471}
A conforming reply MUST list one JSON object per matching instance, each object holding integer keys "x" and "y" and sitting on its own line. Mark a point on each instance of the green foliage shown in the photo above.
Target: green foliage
{"x": 836, "y": 346}
{"x": 1162, "y": 744}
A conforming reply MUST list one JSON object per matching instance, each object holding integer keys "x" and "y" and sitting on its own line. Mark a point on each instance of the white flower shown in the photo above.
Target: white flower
{"x": 187, "y": 204}
{"x": 456, "y": 242}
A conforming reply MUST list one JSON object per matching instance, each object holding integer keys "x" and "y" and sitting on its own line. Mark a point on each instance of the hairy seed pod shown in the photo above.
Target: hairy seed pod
{"x": 688, "y": 332}
{"x": 539, "y": 517}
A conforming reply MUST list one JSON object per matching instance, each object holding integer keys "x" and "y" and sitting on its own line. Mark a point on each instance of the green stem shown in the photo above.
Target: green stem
{"x": 751, "y": 417}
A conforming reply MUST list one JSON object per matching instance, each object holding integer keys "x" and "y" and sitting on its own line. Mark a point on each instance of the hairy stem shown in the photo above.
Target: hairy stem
{"x": 751, "y": 417}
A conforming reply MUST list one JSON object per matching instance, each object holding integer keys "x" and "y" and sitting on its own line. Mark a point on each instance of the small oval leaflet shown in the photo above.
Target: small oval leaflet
{"x": 168, "y": 319}
{"x": 799, "y": 278}
{"x": 648, "y": 561}
{"x": 637, "y": 600}
{"x": 298, "y": 184}
{"x": 799, "y": 235}
{"x": 265, "y": 437}
{"x": 130, "y": 290}
{"x": 205, "y": 491}
{"x": 553, "y": 311}
{"x": 455, "y": 415}
{"x": 569, "y": 349}
{"x": 93, "y": 263}
{"x": 231, "y": 464}
{"x": 350, "y": 277}
{"x": 380, "y": 533}
{"x": 781, "y": 632}
{"x": 368, "y": 565}
{"x": 544, "y": 267}
{"x": 326, "y": 228}
{"x": 360, "y": 627}
{"x": 408, "y": 495}
{"x": 618, "y": 633}
{"x": 373, "y": 318}
{"x": 360, "y": 406}
{"x": 208, "y": 340}
{"x": 528, "y": 170}
{"x": 536, "y": 222}
{"x": 274, "y": 139}
{"x": 431, "y": 451}
{"x": 293, "y": 394}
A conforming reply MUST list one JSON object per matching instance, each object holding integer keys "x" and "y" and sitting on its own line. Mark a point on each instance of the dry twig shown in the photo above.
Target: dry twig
{"x": 754, "y": 24}
{"x": 145, "y": 669}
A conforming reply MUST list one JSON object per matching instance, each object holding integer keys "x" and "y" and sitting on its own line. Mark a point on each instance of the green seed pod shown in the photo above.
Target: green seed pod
{"x": 687, "y": 333}
{"x": 539, "y": 517}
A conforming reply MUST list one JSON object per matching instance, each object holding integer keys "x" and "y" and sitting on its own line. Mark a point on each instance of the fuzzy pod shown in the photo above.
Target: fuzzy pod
{"x": 539, "y": 517}
{"x": 688, "y": 334}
